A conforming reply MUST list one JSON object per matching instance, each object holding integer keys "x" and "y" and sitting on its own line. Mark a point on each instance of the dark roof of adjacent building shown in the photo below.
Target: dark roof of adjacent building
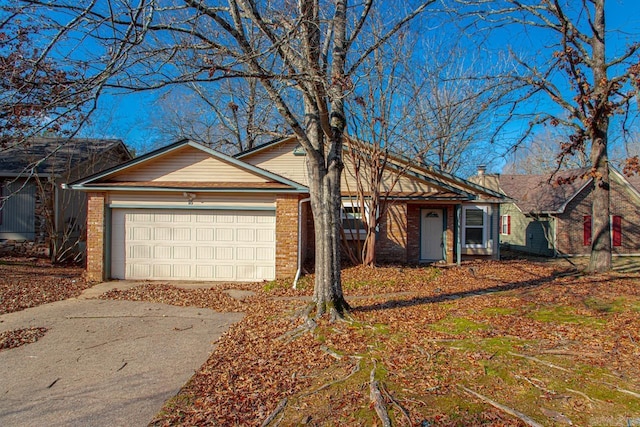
{"x": 543, "y": 193}
{"x": 53, "y": 156}
{"x": 549, "y": 193}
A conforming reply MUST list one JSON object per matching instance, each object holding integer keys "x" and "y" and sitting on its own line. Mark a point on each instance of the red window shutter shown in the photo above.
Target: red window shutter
{"x": 617, "y": 230}
{"x": 587, "y": 230}
{"x": 509, "y": 224}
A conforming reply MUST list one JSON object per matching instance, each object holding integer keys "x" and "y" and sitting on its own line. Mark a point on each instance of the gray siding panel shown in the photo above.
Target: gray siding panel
{"x": 18, "y": 211}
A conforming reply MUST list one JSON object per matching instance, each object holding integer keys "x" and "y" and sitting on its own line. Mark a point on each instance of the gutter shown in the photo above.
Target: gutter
{"x": 299, "y": 271}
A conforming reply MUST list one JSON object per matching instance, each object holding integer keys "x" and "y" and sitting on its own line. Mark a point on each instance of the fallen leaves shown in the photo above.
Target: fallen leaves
{"x": 29, "y": 282}
{"x": 19, "y": 337}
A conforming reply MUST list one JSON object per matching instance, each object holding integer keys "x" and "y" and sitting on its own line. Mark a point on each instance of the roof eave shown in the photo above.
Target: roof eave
{"x": 79, "y": 187}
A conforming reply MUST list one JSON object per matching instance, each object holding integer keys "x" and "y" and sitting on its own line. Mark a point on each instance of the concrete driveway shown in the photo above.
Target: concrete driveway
{"x": 103, "y": 363}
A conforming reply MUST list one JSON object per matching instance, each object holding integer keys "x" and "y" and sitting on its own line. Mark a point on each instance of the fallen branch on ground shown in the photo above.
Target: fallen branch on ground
{"x": 528, "y": 421}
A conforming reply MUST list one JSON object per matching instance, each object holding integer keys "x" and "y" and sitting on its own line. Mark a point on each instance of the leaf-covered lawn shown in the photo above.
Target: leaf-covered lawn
{"x": 29, "y": 282}
{"x": 491, "y": 343}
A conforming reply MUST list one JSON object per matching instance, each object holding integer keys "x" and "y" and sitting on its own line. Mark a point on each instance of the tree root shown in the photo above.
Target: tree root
{"x": 376, "y": 398}
{"x": 355, "y": 369}
{"x": 544, "y": 362}
{"x": 524, "y": 418}
{"x": 272, "y": 416}
{"x": 395, "y": 403}
{"x": 579, "y": 393}
{"x": 330, "y": 352}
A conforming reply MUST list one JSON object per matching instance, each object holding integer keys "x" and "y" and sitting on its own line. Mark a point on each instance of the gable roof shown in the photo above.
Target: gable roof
{"x": 104, "y": 179}
{"x": 543, "y": 194}
{"x": 53, "y": 156}
{"x": 455, "y": 188}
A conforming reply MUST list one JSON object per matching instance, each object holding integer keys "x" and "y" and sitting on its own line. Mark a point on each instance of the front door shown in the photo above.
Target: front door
{"x": 431, "y": 235}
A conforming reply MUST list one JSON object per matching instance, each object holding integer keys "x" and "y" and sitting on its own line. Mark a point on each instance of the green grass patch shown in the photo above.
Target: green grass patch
{"x": 616, "y": 306}
{"x": 564, "y": 314}
{"x": 496, "y": 345}
{"x": 457, "y": 325}
{"x": 499, "y": 311}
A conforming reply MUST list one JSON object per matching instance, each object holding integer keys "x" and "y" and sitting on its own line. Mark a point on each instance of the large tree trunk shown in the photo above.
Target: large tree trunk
{"x": 598, "y": 129}
{"x": 325, "y": 204}
{"x": 601, "y": 231}
{"x": 324, "y": 171}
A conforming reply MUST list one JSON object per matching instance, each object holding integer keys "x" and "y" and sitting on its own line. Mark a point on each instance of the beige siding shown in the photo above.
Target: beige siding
{"x": 188, "y": 165}
{"x": 405, "y": 184}
{"x": 281, "y": 160}
{"x": 170, "y": 199}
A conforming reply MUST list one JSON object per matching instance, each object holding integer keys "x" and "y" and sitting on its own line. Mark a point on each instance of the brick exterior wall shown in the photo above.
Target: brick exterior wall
{"x": 286, "y": 235}
{"x": 391, "y": 245}
{"x": 95, "y": 237}
{"x": 570, "y": 224}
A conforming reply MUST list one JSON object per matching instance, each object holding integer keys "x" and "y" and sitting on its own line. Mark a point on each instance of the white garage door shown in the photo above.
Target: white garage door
{"x": 193, "y": 245}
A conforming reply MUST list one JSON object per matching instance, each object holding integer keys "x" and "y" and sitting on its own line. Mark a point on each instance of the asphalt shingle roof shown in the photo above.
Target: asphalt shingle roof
{"x": 542, "y": 193}
{"x": 51, "y": 155}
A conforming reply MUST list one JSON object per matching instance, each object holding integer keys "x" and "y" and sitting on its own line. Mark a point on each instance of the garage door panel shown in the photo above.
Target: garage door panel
{"x": 245, "y": 254}
{"x": 205, "y": 234}
{"x": 201, "y": 245}
{"x": 265, "y": 236}
{"x": 224, "y": 272}
{"x": 265, "y": 254}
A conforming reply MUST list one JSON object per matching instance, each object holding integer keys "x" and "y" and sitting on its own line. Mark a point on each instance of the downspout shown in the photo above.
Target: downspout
{"x": 299, "y": 271}
{"x": 555, "y": 236}
{"x": 459, "y": 235}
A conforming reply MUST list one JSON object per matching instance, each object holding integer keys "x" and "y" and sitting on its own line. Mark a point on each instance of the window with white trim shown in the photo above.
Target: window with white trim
{"x": 353, "y": 222}
{"x": 475, "y": 226}
{"x": 505, "y": 225}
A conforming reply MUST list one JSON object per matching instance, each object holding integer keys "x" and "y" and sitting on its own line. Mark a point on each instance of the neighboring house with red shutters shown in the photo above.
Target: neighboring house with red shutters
{"x": 547, "y": 218}
{"x": 188, "y": 212}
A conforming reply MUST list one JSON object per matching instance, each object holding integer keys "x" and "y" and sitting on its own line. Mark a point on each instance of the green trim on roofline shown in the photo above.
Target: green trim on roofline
{"x": 193, "y": 207}
{"x": 190, "y": 189}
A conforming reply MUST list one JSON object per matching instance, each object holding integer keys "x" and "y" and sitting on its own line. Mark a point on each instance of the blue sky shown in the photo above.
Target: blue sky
{"x": 131, "y": 117}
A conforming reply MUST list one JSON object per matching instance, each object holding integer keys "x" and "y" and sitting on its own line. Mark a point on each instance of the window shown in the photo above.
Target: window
{"x": 586, "y": 230}
{"x": 616, "y": 230}
{"x": 475, "y": 226}
{"x": 505, "y": 224}
{"x": 352, "y": 221}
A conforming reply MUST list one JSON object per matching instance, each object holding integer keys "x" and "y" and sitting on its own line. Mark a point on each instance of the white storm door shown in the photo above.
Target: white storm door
{"x": 431, "y": 234}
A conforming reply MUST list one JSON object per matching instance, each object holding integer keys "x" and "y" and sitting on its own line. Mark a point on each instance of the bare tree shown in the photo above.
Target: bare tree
{"x": 232, "y": 116}
{"x": 585, "y": 86}
{"x": 302, "y": 53}
{"x": 382, "y": 112}
{"x": 539, "y": 155}
{"x": 460, "y": 99}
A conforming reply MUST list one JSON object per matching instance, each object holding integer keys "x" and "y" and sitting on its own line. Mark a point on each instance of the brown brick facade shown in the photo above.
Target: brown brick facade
{"x": 570, "y": 224}
{"x": 392, "y": 238}
{"x": 95, "y": 237}
{"x": 286, "y": 235}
